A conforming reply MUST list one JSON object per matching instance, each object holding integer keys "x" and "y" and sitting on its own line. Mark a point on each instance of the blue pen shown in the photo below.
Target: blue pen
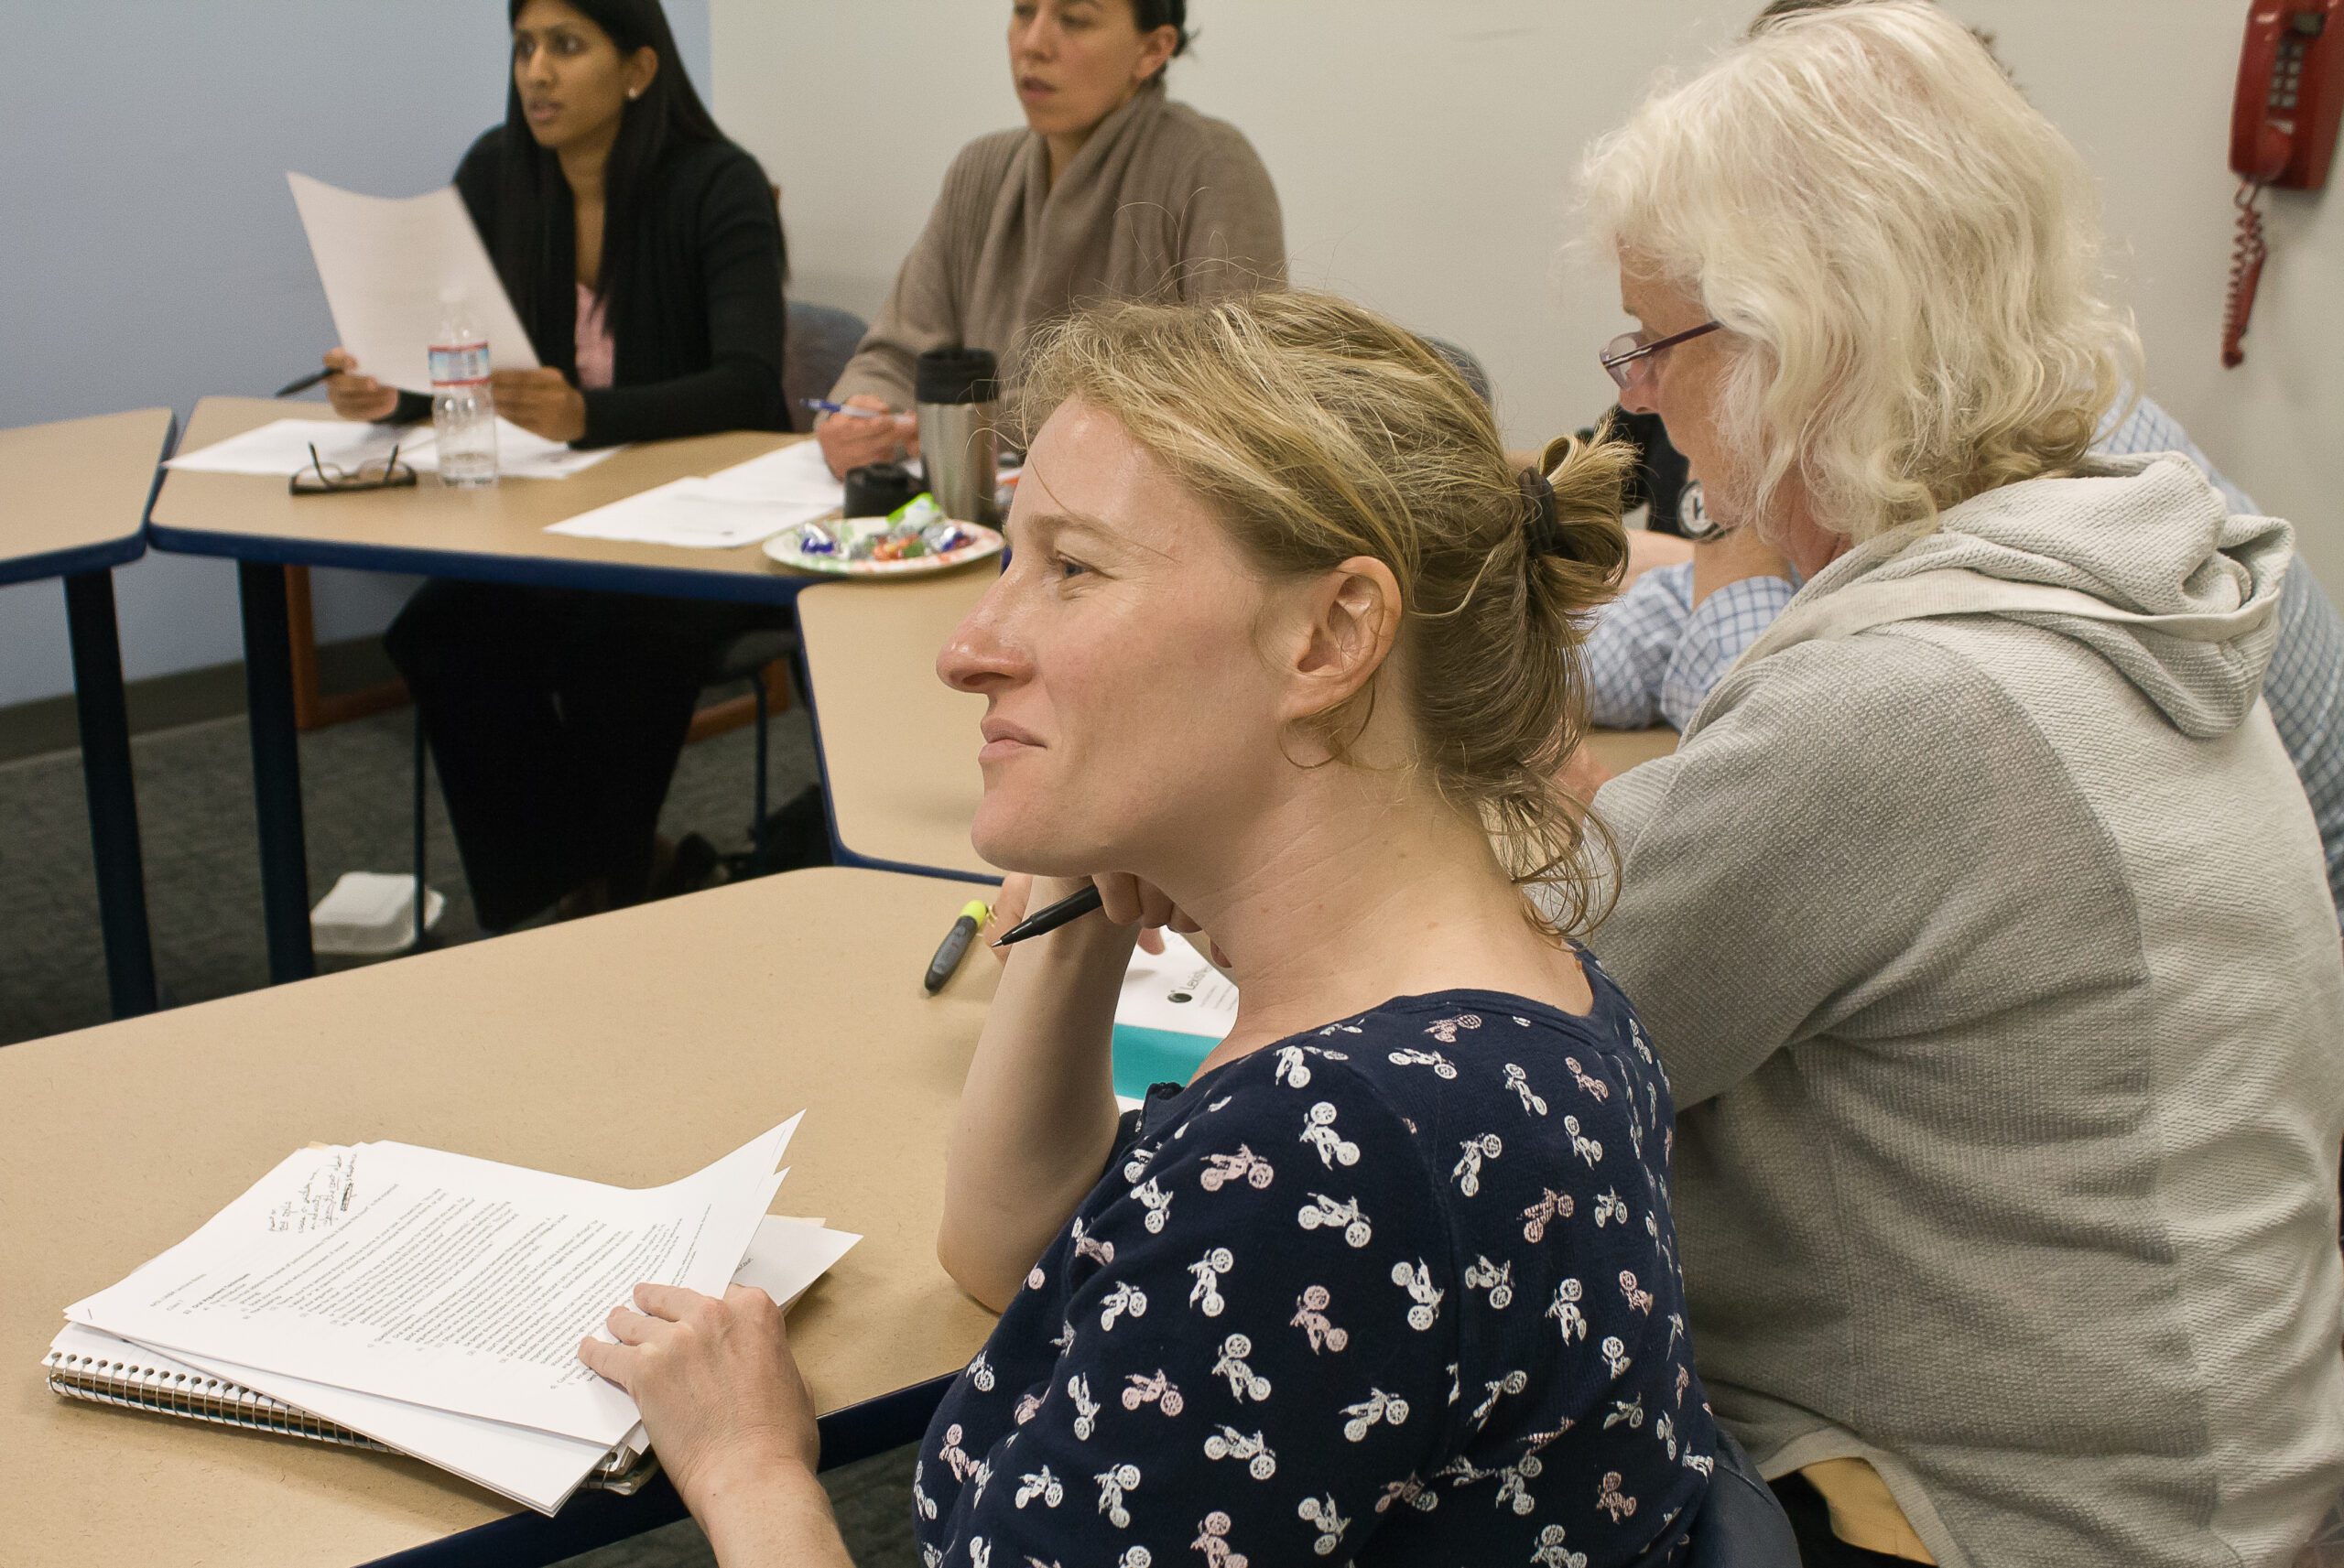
{"x": 825, "y": 405}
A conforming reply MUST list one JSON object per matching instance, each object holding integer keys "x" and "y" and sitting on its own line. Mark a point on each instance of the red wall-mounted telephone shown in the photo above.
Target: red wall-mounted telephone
{"x": 2282, "y": 128}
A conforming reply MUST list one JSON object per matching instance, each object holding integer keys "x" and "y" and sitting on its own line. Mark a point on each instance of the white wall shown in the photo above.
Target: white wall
{"x": 1423, "y": 152}
{"x": 151, "y": 254}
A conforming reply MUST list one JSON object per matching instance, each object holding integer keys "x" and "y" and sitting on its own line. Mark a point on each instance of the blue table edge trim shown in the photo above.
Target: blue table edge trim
{"x": 75, "y": 562}
{"x": 593, "y": 1520}
{"x": 528, "y": 571}
{"x": 848, "y": 857}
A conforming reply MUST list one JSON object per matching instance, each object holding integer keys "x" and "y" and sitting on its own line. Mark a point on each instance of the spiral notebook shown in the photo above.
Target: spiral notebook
{"x": 83, "y": 1364}
{"x": 373, "y": 1222}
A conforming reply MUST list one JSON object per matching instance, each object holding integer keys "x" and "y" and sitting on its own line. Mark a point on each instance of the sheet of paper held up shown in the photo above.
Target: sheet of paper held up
{"x": 453, "y": 1283}
{"x": 387, "y": 262}
{"x": 1179, "y": 992}
{"x": 281, "y": 448}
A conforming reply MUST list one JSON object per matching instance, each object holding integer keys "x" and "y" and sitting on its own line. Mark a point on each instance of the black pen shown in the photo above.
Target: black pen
{"x": 1042, "y": 921}
{"x": 973, "y": 915}
{"x": 293, "y": 389}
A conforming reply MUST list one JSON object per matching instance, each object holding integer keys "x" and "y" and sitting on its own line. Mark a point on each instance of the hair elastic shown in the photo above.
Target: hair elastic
{"x": 1543, "y": 526}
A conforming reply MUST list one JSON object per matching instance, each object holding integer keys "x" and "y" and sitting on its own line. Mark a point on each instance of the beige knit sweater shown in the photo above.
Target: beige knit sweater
{"x": 1161, "y": 204}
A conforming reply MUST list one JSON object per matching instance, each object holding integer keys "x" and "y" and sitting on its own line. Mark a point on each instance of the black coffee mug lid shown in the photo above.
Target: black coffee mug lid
{"x": 958, "y": 375}
{"x": 876, "y": 489}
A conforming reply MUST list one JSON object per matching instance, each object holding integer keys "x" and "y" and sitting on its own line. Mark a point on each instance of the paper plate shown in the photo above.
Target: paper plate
{"x": 784, "y": 547}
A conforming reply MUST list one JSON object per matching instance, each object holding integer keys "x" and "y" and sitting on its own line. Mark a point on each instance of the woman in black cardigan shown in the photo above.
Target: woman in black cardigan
{"x": 642, "y": 253}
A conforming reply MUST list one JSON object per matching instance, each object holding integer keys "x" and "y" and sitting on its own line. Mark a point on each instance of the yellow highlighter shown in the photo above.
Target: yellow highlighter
{"x": 973, "y": 913}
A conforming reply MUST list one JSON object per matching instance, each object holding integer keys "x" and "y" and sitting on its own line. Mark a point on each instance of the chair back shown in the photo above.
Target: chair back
{"x": 1740, "y": 1524}
{"x": 822, "y": 338}
{"x": 1471, "y": 369}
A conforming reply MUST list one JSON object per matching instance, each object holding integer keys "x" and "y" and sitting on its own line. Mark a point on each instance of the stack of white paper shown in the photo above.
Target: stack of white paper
{"x": 434, "y": 1301}
{"x": 282, "y": 447}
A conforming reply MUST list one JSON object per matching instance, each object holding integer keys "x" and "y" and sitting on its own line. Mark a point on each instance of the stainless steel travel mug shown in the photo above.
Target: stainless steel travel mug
{"x": 959, "y": 408}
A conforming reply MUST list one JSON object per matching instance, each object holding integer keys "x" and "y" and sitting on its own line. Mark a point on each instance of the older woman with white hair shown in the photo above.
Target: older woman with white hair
{"x": 1980, "y": 919}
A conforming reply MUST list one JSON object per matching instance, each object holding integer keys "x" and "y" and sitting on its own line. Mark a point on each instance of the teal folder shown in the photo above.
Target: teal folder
{"x": 1145, "y": 1056}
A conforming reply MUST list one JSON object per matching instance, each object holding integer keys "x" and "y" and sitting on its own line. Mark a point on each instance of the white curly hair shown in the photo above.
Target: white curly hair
{"x": 1907, "y": 253}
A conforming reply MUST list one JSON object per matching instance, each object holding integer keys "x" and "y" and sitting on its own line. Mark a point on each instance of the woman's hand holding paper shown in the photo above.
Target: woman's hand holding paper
{"x": 356, "y": 397}
{"x": 714, "y": 1379}
{"x": 540, "y": 401}
{"x": 729, "y": 1417}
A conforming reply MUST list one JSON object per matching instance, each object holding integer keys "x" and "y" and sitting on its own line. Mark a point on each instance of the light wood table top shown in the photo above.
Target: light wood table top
{"x": 631, "y": 1048}
{"x": 1620, "y": 749}
{"x": 900, "y": 747}
{"x": 495, "y": 534}
{"x": 73, "y": 494}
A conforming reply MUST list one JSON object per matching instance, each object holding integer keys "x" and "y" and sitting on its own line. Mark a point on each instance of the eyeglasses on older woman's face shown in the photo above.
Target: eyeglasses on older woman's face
{"x": 1629, "y": 356}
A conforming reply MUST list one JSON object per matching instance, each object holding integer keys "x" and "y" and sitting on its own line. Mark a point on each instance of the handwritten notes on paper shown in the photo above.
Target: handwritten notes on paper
{"x": 322, "y": 1198}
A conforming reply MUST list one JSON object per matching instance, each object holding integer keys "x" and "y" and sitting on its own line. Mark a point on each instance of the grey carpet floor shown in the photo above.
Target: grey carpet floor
{"x": 201, "y": 851}
{"x": 195, "y": 811}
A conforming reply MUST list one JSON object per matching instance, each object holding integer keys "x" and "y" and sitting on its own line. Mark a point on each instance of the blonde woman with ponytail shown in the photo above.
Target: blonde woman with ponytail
{"x": 1393, "y": 1278}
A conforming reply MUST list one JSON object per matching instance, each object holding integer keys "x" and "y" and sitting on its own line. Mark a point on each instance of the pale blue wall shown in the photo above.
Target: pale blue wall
{"x": 149, "y": 253}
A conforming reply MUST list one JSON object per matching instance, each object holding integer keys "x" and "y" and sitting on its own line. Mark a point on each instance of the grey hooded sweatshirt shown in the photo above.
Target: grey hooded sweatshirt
{"x": 1982, "y": 927}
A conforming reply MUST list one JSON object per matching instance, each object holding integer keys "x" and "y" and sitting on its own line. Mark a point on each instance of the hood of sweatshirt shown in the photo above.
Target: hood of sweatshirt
{"x": 2138, "y": 558}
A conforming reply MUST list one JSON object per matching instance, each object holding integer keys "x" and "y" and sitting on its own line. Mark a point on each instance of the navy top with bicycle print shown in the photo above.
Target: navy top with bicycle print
{"x": 1403, "y": 1290}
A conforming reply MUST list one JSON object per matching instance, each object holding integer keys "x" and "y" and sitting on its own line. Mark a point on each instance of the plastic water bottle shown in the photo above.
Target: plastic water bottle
{"x": 463, "y": 413}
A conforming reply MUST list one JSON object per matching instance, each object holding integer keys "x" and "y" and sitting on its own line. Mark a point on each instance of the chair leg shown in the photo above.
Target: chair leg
{"x": 422, "y": 891}
{"x": 757, "y": 832}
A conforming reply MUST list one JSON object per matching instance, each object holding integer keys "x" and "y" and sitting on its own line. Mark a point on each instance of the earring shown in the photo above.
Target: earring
{"x": 633, "y": 93}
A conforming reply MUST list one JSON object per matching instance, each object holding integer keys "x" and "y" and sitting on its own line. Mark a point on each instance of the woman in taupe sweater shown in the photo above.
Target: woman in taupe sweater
{"x": 1111, "y": 191}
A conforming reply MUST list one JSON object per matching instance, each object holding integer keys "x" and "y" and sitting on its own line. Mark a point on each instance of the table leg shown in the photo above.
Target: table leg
{"x": 114, "y": 800}
{"x": 276, "y": 773}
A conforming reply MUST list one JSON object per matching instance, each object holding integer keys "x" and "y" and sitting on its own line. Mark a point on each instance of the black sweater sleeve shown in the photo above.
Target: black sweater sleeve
{"x": 737, "y": 240}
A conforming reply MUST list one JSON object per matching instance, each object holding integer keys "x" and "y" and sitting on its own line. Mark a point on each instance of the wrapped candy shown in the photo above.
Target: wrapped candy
{"x": 915, "y": 530}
